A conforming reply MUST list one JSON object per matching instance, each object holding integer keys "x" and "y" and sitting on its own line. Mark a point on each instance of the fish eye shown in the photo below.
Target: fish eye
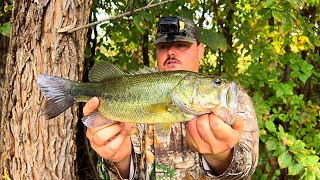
{"x": 217, "y": 81}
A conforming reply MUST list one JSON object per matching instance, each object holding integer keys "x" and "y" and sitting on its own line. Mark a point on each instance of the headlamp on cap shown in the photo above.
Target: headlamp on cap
{"x": 171, "y": 26}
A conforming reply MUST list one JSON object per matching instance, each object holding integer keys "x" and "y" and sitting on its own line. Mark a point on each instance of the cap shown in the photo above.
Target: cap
{"x": 175, "y": 28}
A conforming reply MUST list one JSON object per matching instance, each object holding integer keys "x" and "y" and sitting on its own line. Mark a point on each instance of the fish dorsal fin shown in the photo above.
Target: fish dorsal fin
{"x": 144, "y": 70}
{"x": 104, "y": 70}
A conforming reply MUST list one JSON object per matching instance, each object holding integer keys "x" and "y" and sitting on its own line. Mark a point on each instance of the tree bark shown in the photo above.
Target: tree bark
{"x": 32, "y": 147}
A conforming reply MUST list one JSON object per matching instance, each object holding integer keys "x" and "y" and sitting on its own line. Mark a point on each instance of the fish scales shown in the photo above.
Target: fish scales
{"x": 144, "y": 98}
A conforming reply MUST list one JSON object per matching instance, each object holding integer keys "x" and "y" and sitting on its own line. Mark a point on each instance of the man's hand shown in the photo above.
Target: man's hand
{"x": 214, "y": 139}
{"x": 110, "y": 141}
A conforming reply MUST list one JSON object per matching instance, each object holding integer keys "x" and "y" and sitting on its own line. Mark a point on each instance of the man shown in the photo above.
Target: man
{"x": 205, "y": 147}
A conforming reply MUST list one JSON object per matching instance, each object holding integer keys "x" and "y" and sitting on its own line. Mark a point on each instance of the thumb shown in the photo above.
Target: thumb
{"x": 91, "y": 106}
{"x": 238, "y": 124}
{"x": 128, "y": 127}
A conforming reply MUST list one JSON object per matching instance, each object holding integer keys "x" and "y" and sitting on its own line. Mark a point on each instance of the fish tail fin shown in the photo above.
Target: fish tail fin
{"x": 55, "y": 90}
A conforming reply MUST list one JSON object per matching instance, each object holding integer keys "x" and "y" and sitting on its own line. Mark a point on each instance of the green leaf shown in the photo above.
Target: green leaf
{"x": 303, "y": 77}
{"x": 287, "y": 24}
{"x": 280, "y": 128}
{"x": 284, "y": 159}
{"x": 311, "y": 160}
{"x": 279, "y": 92}
{"x": 297, "y": 147}
{"x": 213, "y": 39}
{"x": 268, "y": 3}
{"x": 280, "y": 149}
{"x": 264, "y": 177}
{"x": 147, "y": 16}
{"x": 295, "y": 169}
{"x": 5, "y": 29}
{"x": 297, "y": 3}
{"x": 307, "y": 67}
{"x": 139, "y": 23}
{"x": 309, "y": 175}
{"x": 316, "y": 41}
{"x": 268, "y": 167}
{"x": 272, "y": 144}
{"x": 277, "y": 15}
{"x": 287, "y": 89}
{"x": 270, "y": 126}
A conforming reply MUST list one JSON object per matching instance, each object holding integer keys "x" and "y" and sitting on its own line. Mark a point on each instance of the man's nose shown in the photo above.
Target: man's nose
{"x": 171, "y": 50}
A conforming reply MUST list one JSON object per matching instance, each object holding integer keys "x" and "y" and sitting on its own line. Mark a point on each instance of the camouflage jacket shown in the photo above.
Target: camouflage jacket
{"x": 154, "y": 160}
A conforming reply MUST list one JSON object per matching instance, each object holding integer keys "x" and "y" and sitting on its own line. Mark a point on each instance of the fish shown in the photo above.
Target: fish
{"x": 145, "y": 96}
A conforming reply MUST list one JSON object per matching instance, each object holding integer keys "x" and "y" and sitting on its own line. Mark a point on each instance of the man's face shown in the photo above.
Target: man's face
{"x": 179, "y": 56}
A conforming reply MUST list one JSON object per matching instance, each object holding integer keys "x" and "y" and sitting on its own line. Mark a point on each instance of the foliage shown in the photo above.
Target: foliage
{"x": 284, "y": 77}
{"x": 5, "y": 9}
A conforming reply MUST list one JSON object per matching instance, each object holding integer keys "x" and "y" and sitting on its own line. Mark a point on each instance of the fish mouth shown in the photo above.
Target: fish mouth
{"x": 229, "y": 98}
{"x": 231, "y": 94}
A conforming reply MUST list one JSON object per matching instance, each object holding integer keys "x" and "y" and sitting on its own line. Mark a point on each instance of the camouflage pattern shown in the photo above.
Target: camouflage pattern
{"x": 153, "y": 160}
{"x": 192, "y": 35}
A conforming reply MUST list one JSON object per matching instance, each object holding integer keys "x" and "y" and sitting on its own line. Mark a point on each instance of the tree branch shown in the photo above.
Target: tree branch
{"x": 72, "y": 28}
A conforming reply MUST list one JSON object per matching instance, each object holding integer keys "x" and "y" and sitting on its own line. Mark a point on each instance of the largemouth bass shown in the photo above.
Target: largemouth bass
{"x": 142, "y": 97}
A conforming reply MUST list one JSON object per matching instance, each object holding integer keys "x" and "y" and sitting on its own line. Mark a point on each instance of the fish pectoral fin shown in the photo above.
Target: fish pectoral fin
{"x": 162, "y": 132}
{"x": 95, "y": 119}
{"x": 188, "y": 110}
{"x": 185, "y": 107}
{"x": 158, "y": 108}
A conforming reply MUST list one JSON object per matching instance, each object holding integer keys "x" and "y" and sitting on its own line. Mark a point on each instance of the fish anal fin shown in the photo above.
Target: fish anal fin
{"x": 162, "y": 132}
{"x": 95, "y": 119}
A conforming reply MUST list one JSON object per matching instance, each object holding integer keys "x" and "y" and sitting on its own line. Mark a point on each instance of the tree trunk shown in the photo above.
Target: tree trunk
{"x": 32, "y": 147}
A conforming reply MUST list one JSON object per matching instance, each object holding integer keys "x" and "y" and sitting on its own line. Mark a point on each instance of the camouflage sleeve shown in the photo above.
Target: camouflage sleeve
{"x": 108, "y": 171}
{"x": 245, "y": 155}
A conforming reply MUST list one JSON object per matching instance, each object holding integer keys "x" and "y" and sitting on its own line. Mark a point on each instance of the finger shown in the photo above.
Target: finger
{"x": 205, "y": 132}
{"x": 112, "y": 150}
{"x": 222, "y": 131}
{"x": 192, "y": 129}
{"x": 91, "y": 131}
{"x": 105, "y": 135}
{"x": 196, "y": 139}
{"x": 192, "y": 135}
{"x": 128, "y": 127}
{"x": 238, "y": 124}
{"x": 91, "y": 106}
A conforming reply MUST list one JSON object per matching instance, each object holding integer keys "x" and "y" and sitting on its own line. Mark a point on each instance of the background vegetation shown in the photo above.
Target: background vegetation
{"x": 272, "y": 48}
